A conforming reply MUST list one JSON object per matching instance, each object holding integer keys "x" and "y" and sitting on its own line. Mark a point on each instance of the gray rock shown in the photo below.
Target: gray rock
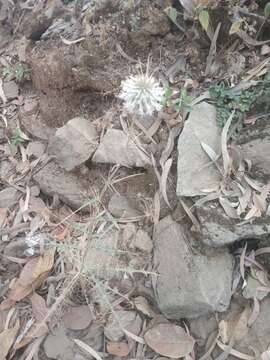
{"x": 11, "y": 90}
{"x": 35, "y": 148}
{"x": 219, "y": 230}
{"x": 259, "y": 333}
{"x": 255, "y": 145}
{"x": 122, "y": 207}
{"x": 202, "y": 327}
{"x": 195, "y": 170}
{"x": 70, "y": 188}
{"x": 117, "y": 148}
{"x": 189, "y": 285}
{"x": 102, "y": 256}
{"x": 73, "y": 143}
{"x": 9, "y": 197}
{"x": 253, "y": 289}
{"x": 143, "y": 242}
{"x": 121, "y": 319}
{"x": 58, "y": 346}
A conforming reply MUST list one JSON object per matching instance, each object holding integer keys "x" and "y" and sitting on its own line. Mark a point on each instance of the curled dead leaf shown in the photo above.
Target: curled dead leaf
{"x": 120, "y": 349}
{"x": 169, "y": 340}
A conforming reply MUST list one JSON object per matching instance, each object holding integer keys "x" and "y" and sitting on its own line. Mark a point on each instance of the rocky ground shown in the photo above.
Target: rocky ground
{"x": 124, "y": 236}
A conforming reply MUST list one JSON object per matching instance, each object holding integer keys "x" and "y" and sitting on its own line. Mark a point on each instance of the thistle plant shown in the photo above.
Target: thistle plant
{"x": 142, "y": 94}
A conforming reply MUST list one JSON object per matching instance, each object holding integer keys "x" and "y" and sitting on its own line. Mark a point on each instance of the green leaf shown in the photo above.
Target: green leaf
{"x": 172, "y": 14}
{"x": 235, "y": 27}
{"x": 204, "y": 19}
{"x": 267, "y": 10}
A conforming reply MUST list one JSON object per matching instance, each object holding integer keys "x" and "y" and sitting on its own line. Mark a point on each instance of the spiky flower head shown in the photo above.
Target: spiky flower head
{"x": 142, "y": 94}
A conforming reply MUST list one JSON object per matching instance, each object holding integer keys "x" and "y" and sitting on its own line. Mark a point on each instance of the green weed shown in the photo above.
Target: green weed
{"x": 242, "y": 102}
{"x": 178, "y": 103}
{"x": 19, "y": 72}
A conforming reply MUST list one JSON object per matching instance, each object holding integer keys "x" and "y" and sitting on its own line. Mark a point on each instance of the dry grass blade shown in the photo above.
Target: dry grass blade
{"x": 242, "y": 264}
{"x": 88, "y": 349}
{"x": 212, "y": 51}
{"x": 163, "y": 181}
{"x": 2, "y": 94}
{"x": 255, "y": 311}
{"x": 262, "y": 251}
{"x": 134, "y": 337}
{"x": 156, "y": 215}
{"x": 224, "y": 149}
{"x": 195, "y": 222}
{"x": 228, "y": 208}
{"x": 235, "y": 353}
{"x": 70, "y": 42}
{"x": 209, "y": 151}
{"x": 170, "y": 144}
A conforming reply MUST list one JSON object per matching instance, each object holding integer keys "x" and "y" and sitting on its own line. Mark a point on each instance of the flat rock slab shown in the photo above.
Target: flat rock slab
{"x": 70, "y": 188}
{"x": 188, "y": 285}
{"x": 74, "y": 143}
{"x": 195, "y": 171}
{"x": 220, "y": 230}
{"x": 118, "y": 148}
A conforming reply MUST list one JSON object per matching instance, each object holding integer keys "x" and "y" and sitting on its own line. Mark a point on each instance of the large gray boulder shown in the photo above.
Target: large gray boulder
{"x": 195, "y": 169}
{"x": 188, "y": 285}
{"x": 217, "y": 229}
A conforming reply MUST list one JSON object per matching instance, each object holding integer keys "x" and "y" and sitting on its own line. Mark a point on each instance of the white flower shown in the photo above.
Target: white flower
{"x": 142, "y": 94}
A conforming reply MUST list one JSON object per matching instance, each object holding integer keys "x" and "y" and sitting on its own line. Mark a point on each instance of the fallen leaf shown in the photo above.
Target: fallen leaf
{"x": 87, "y": 348}
{"x": 235, "y": 353}
{"x": 7, "y": 338}
{"x": 255, "y": 311}
{"x": 225, "y": 154}
{"x": 228, "y": 208}
{"x": 169, "y": 340}
{"x": 70, "y": 42}
{"x": 163, "y": 181}
{"x": 142, "y": 305}
{"x": 120, "y": 349}
{"x": 33, "y": 274}
{"x": 77, "y": 317}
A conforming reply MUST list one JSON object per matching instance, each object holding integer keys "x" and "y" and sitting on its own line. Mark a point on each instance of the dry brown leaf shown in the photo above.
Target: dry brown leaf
{"x": 45, "y": 263}
{"x": 33, "y": 274}
{"x": 142, "y": 305}
{"x": 7, "y": 338}
{"x": 77, "y": 317}
{"x": 120, "y": 349}
{"x": 169, "y": 340}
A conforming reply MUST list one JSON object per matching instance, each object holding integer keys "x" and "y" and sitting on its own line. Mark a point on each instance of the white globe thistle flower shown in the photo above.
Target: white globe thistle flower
{"x": 142, "y": 94}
